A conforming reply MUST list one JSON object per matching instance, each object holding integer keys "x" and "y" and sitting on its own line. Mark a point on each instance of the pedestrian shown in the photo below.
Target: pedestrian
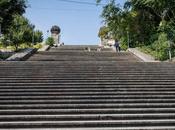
{"x": 117, "y": 45}
{"x": 99, "y": 47}
{"x": 62, "y": 44}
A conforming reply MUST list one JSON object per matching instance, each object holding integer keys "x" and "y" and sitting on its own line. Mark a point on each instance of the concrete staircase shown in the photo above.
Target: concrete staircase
{"x": 79, "y": 53}
{"x": 69, "y": 88}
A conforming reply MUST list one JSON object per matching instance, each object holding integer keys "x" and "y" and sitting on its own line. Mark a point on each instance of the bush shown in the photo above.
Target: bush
{"x": 123, "y": 44}
{"x": 38, "y": 46}
{"x": 161, "y": 46}
{"x": 4, "y": 56}
{"x": 159, "y": 49}
{"x": 50, "y": 41}
{"x": 4, "y": 42}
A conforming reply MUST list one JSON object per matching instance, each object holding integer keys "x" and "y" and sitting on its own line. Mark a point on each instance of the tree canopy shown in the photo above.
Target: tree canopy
{"x": 9, "y": 8}
{"x": 16, "y": 28}
{"x": 22, "y": 31}
{"x": 141, "y": 22}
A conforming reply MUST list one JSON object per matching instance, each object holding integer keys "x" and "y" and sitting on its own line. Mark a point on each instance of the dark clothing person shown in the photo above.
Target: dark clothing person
{"x": 117, "y": 46}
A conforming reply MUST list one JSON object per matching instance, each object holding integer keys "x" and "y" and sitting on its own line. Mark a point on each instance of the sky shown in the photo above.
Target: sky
{"x": 79, "y": 22}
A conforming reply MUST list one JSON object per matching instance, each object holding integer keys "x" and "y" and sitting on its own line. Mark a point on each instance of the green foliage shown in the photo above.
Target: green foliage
{"x": 16, "y": 39}
{"x": 16, "y": 28}
{"x": 3, "y": 41}
{"x": 9, "y": 8}
{"x": 38, "y": 36}
{"x": 161, "y": 46}
{"x": 21, "y": 31}
{"x": 111, "y": 14}
{"x": 123, "y": 43}
{"x": 24, "y": 46}
{"x": 159, "y": 49}
{"x": 103, "y": 32}
{"x": 149, "y": 24}
{"x": 4, "y": 56}
{"x": 38, "y": 46}
{"x": 50, "y": 41}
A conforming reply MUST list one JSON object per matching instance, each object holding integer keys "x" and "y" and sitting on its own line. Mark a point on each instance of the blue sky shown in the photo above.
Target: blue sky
{"x": 79, "y": 22}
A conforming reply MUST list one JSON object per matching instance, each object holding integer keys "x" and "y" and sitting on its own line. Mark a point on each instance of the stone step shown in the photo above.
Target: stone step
{"x": 72, "y": 86}
{"x": 90, "y": 69}
{"x": 110, "y": 128}
{"x": 79, "y": 105}
{"x": 114, "y": 63}
{"x": 94, "y": 123}
{"x": 81, "y": 89}
{"x": 97, "y": 77}
{"x": 72, "y": 59}
{"x": 84, "y": 93}
{"x": 86, "y": 111}
{"x": 88, "y": 90}
{"x": 85, "y": 117}
{"x": 90, "y": 81}
{"x": 67, "y": 52}
{"x": 89, "y": 77}
{"x": 44, "y": 97}
{"x": 54, "y": 73}
{"x": 90, "y": 101}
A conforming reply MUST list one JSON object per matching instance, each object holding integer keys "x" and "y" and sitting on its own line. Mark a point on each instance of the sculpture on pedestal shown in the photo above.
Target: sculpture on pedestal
{"x": 55, "y": 33}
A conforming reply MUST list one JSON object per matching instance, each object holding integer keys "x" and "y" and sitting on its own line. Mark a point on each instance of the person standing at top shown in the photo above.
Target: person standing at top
{"x": 117, "y": 45}
{"x": 100, "y": 46}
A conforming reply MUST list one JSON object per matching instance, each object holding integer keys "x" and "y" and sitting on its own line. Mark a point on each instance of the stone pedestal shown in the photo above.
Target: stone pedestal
{"x": 56, "y": 38}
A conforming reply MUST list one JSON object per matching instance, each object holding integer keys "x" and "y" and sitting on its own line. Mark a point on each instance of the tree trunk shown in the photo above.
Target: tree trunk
{"x": 16, "y": 47}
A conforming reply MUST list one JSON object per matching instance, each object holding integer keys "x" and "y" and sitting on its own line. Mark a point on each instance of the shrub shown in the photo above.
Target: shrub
{"x": 161, "y": 47}
{"x": 50, "y": 41}
{"x": 123, "y": 44}
{"x": 38, "y": 46}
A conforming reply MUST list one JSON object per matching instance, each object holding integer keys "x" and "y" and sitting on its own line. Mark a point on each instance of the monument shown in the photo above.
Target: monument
{"x": 55, "y": 33}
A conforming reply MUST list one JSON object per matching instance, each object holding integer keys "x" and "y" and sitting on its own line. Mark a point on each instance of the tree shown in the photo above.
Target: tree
{"x": 121, "y": 23}
{"x": 21, "y": 31}
{"x": 143, "y": 22}
{"x": 16, "y": 39}
{"x": 103, "y": 32}
{"x": 9, "y": 8}
{"x": 38, "y": 36}
{"x": 148, "y": 16}
{"x": 50, "y": 41}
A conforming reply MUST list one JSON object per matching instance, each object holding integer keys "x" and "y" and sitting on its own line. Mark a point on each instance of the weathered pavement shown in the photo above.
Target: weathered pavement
{"x": 70, "y": 88}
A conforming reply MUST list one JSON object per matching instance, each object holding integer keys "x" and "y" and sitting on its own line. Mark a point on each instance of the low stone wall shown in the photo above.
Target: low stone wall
{"x": 23, "y": 55}
{"x": 142, "y": 56}
{"x": 44, "y": 48}
{"x": 5, "y": 54}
